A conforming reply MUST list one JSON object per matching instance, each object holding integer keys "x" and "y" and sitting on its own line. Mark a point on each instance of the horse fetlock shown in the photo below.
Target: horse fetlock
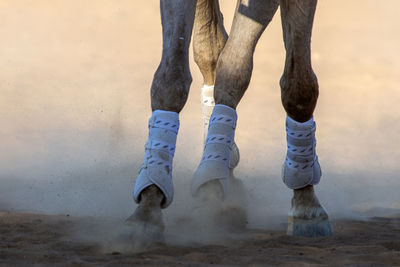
{"x": 151, "y": 197}
{"x": 214, "y": 164}
{"x": 301, "y": 167}
{"x": 156, "y": 169}
{"x": 207, "y": 106}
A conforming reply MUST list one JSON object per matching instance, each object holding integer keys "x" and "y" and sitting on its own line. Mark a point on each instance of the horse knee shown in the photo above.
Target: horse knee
{"x": 233, "y": 78}
{"x": 299, "y": 92}
{"x": 171, "y": 83}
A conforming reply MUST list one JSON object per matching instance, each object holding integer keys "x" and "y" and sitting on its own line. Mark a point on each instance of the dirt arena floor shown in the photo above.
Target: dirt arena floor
{"x": 74, "y": 104}
{"x": 29, "y": 239}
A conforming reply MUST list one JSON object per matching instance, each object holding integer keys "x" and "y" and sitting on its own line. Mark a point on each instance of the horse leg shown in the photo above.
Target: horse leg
{"x": 209, "y": 38}
{"x": 299, "y": 87}
{"x": 169, "y": 91}
{"x": 233, "y": 71}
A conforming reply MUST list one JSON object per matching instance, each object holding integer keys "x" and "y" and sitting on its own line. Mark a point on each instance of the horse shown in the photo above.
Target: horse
{"x": 226, "y": 64}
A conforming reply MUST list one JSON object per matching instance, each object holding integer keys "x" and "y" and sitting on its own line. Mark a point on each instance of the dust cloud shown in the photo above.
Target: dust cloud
{"x": 74, "y": 105}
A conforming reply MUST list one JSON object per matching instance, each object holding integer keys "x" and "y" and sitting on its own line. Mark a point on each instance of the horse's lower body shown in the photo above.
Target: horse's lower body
{"x": 226, "y": 65}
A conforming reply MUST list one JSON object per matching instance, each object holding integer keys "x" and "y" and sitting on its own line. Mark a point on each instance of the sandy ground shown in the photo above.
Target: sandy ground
{"x": 46, "y": 240}
{"x": 74, "y": 103}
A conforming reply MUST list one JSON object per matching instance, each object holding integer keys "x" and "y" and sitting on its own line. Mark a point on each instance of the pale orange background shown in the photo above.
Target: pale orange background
{"x": 74, "y": 104}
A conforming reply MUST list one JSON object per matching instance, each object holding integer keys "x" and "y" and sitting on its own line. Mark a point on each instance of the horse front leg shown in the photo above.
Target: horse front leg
{"x": 299, "y": 88}
{"x": 209, "y": 38}
{"x": 213, "y": 180}
{"x": 169, "y": 91}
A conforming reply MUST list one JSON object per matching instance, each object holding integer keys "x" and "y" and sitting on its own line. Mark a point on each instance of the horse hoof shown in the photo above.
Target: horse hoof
{"x": 309, "y": 222}
{"x": 233, "y": 214}
{"x": 227, "y": 213}
{"x": 143, "y": 229}
{"x": 316, "y": 227}
{"x": 231, "y": 218}
{"x": 307, "y": 217}
{"x": 141, "y": 235}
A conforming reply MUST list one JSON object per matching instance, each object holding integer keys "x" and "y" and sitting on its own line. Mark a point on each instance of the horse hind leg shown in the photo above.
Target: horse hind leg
{"x": 209, "y": 38}
{"x": 299, "y": 88}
